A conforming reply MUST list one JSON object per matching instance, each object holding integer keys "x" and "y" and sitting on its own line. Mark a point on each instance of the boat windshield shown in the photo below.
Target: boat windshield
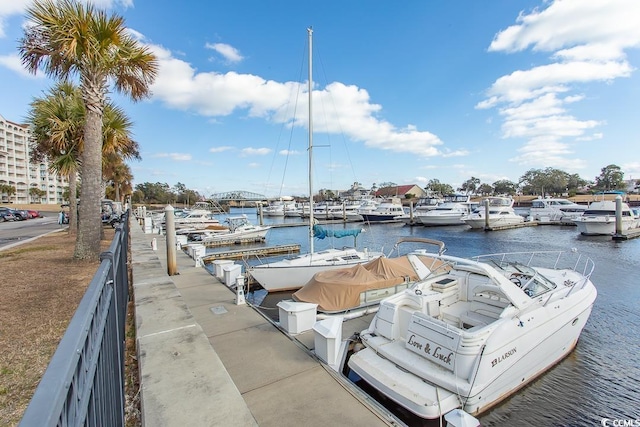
{"x": 526, "y": 278}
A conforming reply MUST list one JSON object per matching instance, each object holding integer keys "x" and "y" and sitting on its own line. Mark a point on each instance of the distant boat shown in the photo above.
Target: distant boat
{"x": 239, "y": 228}
{"x": 279, "y": 207}
{"x": 501, "y": 214}
{"x": 387, "y": 211}
{"x": 197, "y": 218}
{"x": 449, "y": 212}
{"x": 292, "y": 273}
{"x": 555, "y": 210}
{"x": 600, "y": 218}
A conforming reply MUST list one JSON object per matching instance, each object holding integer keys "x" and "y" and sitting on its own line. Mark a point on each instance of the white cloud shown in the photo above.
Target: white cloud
{"x": 214, "y": 94}
{"x": 179, "y": 157}
{"x": 249, "y": 151}
{"x": 9, "y": 8}
{"x": 230, "y": 53}
{"x": 220, "y": 149}
{"x": 570, "y": 23}
{"x": 455, "y": 153}
{"x": 586, "y": 42}
{"x": 14, "y": 63}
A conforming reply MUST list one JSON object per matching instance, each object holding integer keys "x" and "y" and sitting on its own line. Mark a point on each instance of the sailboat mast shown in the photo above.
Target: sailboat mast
{"x": 310, "y": 90}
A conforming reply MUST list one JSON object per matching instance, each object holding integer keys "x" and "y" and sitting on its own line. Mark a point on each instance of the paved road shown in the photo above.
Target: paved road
{"x": 15, "y": 232}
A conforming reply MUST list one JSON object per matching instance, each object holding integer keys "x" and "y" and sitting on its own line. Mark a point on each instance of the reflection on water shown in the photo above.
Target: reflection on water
{"x": 600, "y": 378}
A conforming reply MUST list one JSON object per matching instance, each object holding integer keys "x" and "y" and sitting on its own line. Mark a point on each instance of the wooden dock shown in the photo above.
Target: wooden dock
{"x": 242, "y": 253}
{"x": 627, "y": 234}
{"x": 234, "y": 241}
{"x": 508, "y": 227}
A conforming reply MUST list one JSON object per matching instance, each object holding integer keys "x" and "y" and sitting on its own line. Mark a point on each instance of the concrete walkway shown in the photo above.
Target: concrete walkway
{"x": 205, "y": 361}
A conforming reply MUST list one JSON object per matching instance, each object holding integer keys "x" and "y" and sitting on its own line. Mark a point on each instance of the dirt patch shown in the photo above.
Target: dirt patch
{"x": 41, "y": 286}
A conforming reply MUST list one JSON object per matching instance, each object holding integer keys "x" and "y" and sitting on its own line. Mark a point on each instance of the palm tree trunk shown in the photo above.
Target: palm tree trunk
{"x": 73, "y": 203}
{"x": 89, "y": 221}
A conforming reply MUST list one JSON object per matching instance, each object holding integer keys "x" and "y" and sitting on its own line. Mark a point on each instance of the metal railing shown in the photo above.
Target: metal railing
{"x": 84, "y": 382}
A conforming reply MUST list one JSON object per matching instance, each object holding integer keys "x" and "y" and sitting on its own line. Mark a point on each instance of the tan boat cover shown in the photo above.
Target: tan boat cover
{"x": 339, "y": 289}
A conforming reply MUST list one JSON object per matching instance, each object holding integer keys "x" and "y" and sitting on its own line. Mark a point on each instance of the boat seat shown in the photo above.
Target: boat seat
{"x": 491, "y": 295}
{"x": 444, "y": 284}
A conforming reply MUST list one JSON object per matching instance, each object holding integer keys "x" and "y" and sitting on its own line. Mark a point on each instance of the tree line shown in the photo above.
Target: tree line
{"x": 548, "y": 181}
{"x": 162, "y": 194}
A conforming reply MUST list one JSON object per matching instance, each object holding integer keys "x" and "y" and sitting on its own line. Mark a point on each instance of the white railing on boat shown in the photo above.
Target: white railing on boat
{"x": 554, "y": 260}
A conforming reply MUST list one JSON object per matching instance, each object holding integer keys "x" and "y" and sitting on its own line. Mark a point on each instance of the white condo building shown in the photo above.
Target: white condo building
{"x": 17, "y": 170}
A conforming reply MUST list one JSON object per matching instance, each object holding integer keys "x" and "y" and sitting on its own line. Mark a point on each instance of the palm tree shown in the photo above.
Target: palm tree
{"x": 118, "y": 173}
{"x": 68, "y": 38}
{"x": 118, "y": 147}
{"x": 57, "y": 122}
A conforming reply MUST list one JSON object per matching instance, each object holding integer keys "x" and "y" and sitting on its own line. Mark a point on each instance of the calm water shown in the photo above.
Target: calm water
{"x": 601, "y": 378}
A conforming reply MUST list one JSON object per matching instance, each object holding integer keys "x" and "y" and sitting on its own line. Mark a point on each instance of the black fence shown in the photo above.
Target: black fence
{"x": 84, "y": 382}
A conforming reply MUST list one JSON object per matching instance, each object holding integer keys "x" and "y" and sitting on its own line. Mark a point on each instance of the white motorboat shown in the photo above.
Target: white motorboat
{"x": 239, "y": 229}
{"x": 365, "y": 206}
{"x": 475, "y": 331}
{"x": 355, "y": 291}
{"x": 428, "y": 203}
{"x": 296, "y": 210}
{"x": 197, "y": 218}
{"x": 293, "y": 273}
{"x": 555, "y": 210}
{"x": 278, "y": 207}
{"x": 327, "y": 211}
{"x": 600, "y": 218}
{"x": 424, "y": 204}
{"x": 501, "y": 214}
{"x": 449, "y": 212}
{"x": 387, "y": 211}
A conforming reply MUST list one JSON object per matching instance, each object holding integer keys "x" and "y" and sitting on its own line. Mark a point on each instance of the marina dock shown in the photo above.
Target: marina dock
{"x": 234, "y": 241}
{"x": 206, "y": 361}
{"x": 627, "y": 234}
{"x": 251, "y": 252}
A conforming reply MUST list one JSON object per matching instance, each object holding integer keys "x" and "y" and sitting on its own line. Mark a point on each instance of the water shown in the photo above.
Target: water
{"x": 600, "y": 379}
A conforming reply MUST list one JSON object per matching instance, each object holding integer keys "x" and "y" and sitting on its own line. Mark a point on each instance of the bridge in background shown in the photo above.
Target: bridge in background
{"x": 238, "y": 196}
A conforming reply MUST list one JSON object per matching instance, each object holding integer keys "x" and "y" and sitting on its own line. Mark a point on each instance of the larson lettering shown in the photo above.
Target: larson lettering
{"x": 499, "y": 359}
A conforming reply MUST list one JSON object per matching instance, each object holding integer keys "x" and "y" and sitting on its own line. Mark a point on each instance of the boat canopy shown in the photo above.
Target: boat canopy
{"x": 340, "y": 289}
{"x": 320, "y": 232}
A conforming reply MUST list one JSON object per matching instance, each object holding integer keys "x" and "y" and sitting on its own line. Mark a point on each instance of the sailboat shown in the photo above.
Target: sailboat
{"x": 292, "y": 273}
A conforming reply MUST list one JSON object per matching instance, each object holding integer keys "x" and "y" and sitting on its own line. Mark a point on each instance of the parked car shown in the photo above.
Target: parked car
{"x": 6, "y": 214}
{"x": 34, "y": 214}
{"x": 21, "y": 214}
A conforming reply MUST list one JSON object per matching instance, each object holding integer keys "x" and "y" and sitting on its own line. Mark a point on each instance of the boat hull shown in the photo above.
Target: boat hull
{"x": 223, "y": 237}
{"x": 601, "y": 226}
{"x": 479, "y": 222}
{"x": 291, "y": 274}
{"x": 430, "y": 401}
{"x": 367, "y": 217}
{"x": 475, "y": 334}
{"x": 438, "y": 220}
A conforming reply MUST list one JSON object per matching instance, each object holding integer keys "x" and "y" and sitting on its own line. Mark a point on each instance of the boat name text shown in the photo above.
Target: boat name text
{"x": 436, "y": 352}
{"x": 499, "y": 359}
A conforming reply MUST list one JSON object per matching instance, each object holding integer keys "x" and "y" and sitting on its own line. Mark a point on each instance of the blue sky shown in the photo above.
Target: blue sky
{"x": 403, "y": 92}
